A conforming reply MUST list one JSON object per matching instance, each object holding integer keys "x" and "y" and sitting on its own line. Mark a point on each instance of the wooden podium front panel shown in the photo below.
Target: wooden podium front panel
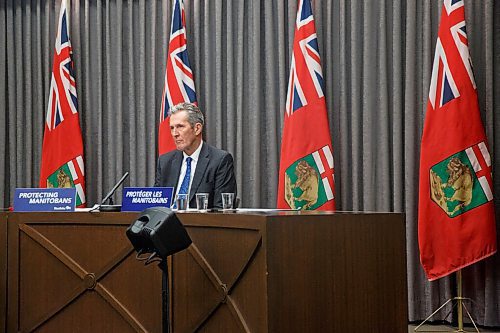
{"x": 291, "y": 272}
{"x": 3, "y": 271}
{"x": 342, "y": 272}
{"x": 77, "y": 272}
{"x": 219, "y": 283}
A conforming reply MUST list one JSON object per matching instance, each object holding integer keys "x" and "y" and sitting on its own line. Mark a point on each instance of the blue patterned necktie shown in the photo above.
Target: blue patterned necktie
{"x": 187, "y": 177}
{"x": 185, "y": 182}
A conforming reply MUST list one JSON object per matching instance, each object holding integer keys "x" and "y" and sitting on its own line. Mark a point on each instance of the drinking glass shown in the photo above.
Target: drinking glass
{"x": 227, "y": 201}
{"x": 181, "y": 201}
{"x": 202, "y": 202}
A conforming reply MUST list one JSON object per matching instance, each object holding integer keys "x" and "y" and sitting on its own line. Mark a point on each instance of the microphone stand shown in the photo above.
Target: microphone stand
{"x": 110, "y": 207}
{"x": 165, "y": 304}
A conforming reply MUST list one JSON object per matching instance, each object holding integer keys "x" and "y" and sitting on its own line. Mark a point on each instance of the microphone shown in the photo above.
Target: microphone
{"x": 110, "y": 207}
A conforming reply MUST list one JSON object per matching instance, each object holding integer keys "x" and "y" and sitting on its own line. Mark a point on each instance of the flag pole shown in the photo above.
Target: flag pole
{"x": 460, "y": 307}
{"x": 460, "y": 302}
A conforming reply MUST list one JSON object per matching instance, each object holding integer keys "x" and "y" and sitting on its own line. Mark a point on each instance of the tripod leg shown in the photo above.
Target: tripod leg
{"x": 470, "y": 317}
{"x": 432, "y": 314}
{"x": 449, "y": 312}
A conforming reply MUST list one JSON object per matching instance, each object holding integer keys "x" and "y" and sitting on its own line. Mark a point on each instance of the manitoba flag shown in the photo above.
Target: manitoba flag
{"x": 62, "y": 150}
{"x": 179, "y": 80}
{"x": 306, "y": 176}
{"x": 456, "y": 221}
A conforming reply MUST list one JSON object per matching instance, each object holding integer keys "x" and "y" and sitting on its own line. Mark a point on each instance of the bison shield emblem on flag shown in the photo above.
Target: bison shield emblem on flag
{"x": 306, "y": 187}
{"x": 460, "y": 182}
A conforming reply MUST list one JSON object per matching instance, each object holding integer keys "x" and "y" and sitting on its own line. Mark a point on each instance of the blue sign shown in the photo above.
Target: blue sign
{"x": 136, "y": 199}
{"x": 45, "y": 200}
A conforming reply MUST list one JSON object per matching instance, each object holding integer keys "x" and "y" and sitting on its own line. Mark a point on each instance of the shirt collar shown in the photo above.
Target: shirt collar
{"x": 194, "y": 155}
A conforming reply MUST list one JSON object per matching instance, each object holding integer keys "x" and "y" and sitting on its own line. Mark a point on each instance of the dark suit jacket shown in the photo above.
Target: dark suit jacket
{"x": 214, "y": 174}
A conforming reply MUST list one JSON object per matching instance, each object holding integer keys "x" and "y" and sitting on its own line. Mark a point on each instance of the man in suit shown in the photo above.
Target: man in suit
{"x": 195, "y": 167}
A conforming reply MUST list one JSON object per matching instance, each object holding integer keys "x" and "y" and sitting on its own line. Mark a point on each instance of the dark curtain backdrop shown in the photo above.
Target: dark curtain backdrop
{"x": 376, "y": 56}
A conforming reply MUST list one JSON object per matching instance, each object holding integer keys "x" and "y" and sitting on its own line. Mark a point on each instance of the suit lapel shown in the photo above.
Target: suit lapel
{"x": 201, "y": 166}
{"x": 173, "y": 177}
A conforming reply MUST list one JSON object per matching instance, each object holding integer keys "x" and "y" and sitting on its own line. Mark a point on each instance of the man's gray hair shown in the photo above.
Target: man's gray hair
{"x": 194, "y": 113}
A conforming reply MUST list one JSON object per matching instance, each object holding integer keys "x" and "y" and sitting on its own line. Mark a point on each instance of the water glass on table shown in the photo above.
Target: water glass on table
{"x": 202, "y": 202}
{"x": 227, "y": 201}
{"x": 181, "y": 201}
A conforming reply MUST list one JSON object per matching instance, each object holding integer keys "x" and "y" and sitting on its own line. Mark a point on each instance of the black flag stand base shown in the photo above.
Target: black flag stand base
{"x": 459, "y": 305}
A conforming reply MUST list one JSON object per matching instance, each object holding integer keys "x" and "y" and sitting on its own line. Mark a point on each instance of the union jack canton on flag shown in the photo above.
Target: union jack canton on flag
{"x": 306, "y": 77}
{"x": 179, "y": 80}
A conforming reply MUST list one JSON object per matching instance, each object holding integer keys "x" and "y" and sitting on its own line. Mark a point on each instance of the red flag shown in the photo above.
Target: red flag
{"x": 179, "y": 80}
{"x": 62, "y": 151}
{"x": 306, "y": 176}
{"x": 456, "y": 213}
